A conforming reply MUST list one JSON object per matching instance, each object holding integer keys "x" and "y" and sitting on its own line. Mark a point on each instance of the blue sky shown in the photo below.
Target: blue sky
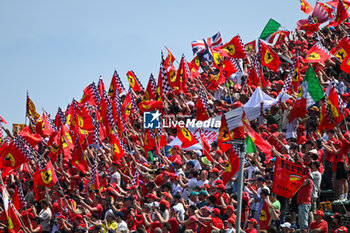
{"x": 54, "y": 49}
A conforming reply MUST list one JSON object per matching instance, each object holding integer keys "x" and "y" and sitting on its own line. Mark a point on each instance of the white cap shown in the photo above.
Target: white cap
{"x": 286, "y": 224}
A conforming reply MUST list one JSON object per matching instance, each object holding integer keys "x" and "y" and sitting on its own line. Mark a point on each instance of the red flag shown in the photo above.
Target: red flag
{"x": 43, "y": 126}
{"x": 14, "y": 154}
{"x": 234, "y": 48}
{"x": 13, "y": 223}
{"x": 288, "y": 177}
{"x": 147, "y": 142}
{"x": 345, "y": 65}
{"x": 91, "y": 95}
{"x": 116, "y": 86}
{"x": 31, "y": 138}
{"x": 255, "y": 79}
{"x": 265, "y": 216}
{"x": 66, "y": 141}
{"x": 269, "y": 58}
{"x": 202, "y": 106}
{"x": 151, "y": 91}
{"x": 334, "y": 105}
{"x": 296, "y": 78}
{"x": 218, "y": 80}
{"x": 250, "y": 47}
{"x": 118, "y": 150}
{"x": 100, "y": 86}
{"x": 83, "y": 118}
{"x": 183, "y": 73}
{"x": 206, "y": 147}
{"x": 317, "y": 53}
{"x": 133, "y": 81}
{"x": 126, "y": 107}
{"x": 17, "y": 200}
{"x": 229, "y": 66}
{"x": 79, "y": 157}
{"x": 185, "y": 137}
{"x": 310, "y": 28}
{"x": 232, "y": 166}
{"x": 306, "y": 7}
{"x": 30, "y": 109}
{"x": 224, "y": 135}
{"x": 321, "y": 13}
{"x": 148, "y": 106}
{"x": 341, "y": 16}
{"x": 262, "y": 144}
{"x": 343, "y": 48}
{"x": 45, "y": 177}
{"x": 325, "y": 122}
{"x": 2, "y": 120}
{"x": 169, "y": 60}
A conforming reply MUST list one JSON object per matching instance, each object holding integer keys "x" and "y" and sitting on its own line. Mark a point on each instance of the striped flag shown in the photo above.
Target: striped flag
{"x": 213, "y": 42}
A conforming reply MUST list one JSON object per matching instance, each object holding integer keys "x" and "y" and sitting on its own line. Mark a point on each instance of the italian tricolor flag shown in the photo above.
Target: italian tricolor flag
{"x": 271, "y": 30}
{"x": 310, "y": 92}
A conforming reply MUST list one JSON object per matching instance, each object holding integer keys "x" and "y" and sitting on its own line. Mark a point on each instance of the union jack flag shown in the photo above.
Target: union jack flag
{"x": 213, "y": 42}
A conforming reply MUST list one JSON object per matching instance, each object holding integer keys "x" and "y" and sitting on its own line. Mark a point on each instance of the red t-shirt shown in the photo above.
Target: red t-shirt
{"x": 251, "y": 230}
{"x": 217, "y": 222}
{"x": 304, "y": 195}
{"x": 174, "y": 225}
{"x": 323, "y": 225}
{"x": 193, "y": 225}
{"x": 99, "y": 210}
{"x": 155, "y": 225}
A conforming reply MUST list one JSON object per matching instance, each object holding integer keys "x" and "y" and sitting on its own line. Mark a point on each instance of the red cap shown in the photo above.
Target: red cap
{"x": 319, "y": 212}
{"x": 219, "y": 152}
{"x": 78, "y": 217}
{"x": 178, "y": 161}
{"x": 165, "y": 203}
{"x": 221, "y": 186}
{"x": 273, "y": 126}
{"x": 342, "y": 229}
{"x": 264, "y": 134}
{"x": 59, "y": 216}
{"x": 253, "y": 220}
{"x": 176, "y": 147}
{"x": 205, "y": 208}
{"x": 151, "y": 195}
{"x": 167, "y": 195}
{"x": 231, "y": 220}
{"x": 335, "y": 215}
{"x": 216, "y": 211}
{"x": 215, "y": 170}
{"x": 230, "y": 207}
{"x": 218, "y": 182}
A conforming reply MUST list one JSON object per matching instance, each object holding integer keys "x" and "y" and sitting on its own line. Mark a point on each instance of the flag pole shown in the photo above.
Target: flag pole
{"x": 25, "y": 114}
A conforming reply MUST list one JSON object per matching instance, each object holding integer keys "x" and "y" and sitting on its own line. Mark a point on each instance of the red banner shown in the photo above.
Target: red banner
{"x": 288, "y": 177}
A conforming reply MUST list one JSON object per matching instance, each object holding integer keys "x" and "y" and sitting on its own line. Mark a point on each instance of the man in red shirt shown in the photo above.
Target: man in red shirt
{"x": 319, "y": 225}
{"x": 304, "y": 202}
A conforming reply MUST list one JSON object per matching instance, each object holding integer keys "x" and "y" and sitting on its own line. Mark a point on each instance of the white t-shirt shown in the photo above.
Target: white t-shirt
{"x": 45, "y": 216}
{"x": 192, "y": 183}
{"x": 122, "y": 226}
{"x": 180, "y": 210}
{"x": 115, "y": 178}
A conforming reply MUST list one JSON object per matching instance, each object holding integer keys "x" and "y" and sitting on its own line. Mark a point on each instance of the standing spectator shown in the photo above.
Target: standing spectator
{"x": 304, "y": 202}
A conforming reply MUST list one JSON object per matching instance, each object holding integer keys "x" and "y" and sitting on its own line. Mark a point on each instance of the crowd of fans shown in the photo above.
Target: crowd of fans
{"x": 180, "y": 190}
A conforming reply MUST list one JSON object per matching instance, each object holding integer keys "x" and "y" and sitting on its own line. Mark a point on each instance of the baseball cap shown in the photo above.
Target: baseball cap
{"x": 203, "y": 192}
{"x": 286, "y": 224}
{"x": 253, "y": 220}
{"x": 319, "y": 212}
